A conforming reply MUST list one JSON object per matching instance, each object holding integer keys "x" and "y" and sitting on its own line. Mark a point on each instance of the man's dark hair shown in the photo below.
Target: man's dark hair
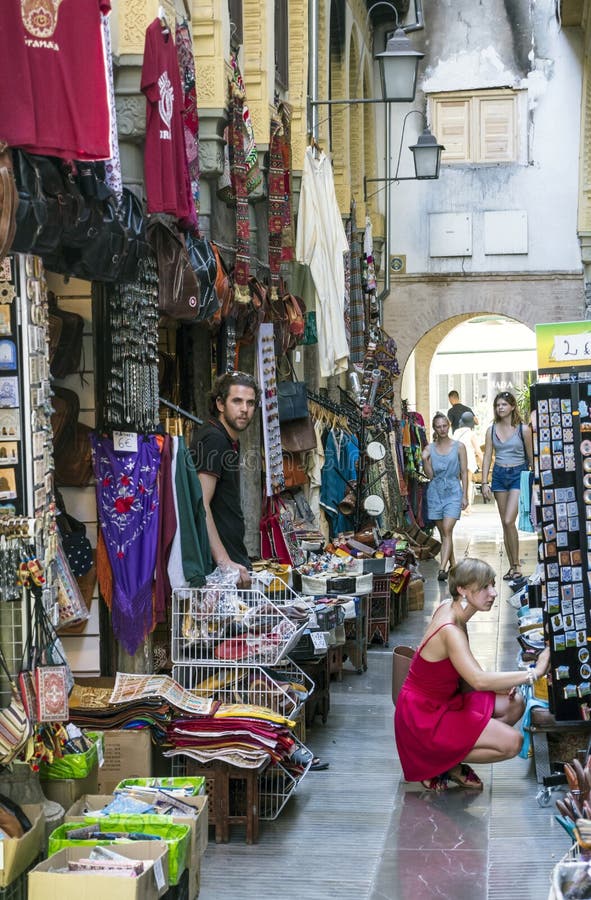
{"x": 453, "y": 395}
{"x": 223, "y": 383}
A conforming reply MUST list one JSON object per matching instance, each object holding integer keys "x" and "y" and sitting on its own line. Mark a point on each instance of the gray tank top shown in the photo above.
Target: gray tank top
{"x": 510, "y": 452}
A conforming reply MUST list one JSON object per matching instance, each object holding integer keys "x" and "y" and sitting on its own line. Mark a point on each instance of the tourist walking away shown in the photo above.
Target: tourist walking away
{"x": 457, "y": 410}
{"x": 216, "y": 453}
{"x": 440, "y": 727}
{"x": 445, "y": 465}
{"x": 511, "y": 442}
{"x": 467, "y": 436}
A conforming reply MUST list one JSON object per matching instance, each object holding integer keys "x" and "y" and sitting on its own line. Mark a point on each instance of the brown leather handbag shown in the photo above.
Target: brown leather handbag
{"x": 8, "y": 201}
{"x": 179, "y": 291}
{"x": 298, "y": 435}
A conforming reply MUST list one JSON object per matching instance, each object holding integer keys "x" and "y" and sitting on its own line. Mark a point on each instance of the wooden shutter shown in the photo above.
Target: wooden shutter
{"x": 451, "y": 125}
{"x": 281, "y": 44}
{"x": 497, "y": 129}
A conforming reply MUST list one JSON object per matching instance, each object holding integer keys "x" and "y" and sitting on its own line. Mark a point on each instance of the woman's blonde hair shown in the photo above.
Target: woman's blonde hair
{"x": 510, "y": 398}
{"x": 469, "y": 572}
{"x": 438, "y": 415}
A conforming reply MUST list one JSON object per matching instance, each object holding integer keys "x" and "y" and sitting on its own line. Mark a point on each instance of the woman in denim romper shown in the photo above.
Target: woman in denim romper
{"x": 512, "y": 444}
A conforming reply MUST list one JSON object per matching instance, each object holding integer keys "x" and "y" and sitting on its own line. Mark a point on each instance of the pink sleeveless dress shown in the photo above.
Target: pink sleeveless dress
{"x": 435, "y": 725}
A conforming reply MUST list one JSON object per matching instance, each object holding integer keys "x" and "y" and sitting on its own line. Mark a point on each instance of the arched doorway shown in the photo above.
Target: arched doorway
{"x": 476, "y": 355}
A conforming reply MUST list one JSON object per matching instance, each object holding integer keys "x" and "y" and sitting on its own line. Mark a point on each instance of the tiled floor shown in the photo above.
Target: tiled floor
{"x": 358, "y": 831}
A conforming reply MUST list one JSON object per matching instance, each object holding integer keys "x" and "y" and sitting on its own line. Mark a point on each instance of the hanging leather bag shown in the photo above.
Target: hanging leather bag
{"x": 292, "y": 398}
{"x": 67, "y": 355}
{"x": 205, "y": 267}
{"x": 8, "y": 201}
{"x": 298, "y": 435}
{"x": 137, "y": 249}
{"x": 31, "y": 213}
{"x": 178, "y": 285}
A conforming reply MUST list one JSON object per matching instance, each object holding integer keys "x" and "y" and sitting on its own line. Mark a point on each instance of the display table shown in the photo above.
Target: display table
{"x": 318, "y": 703}
{"x": 554, "y": 741}
{"x": 356, "y": 635}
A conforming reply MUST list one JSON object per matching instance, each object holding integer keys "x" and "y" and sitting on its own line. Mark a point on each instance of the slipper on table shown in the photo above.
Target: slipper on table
{"x": 318, "y": 765}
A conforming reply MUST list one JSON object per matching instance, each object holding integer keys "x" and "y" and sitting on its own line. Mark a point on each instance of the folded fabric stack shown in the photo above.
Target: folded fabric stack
{"x": 243, "y": 735}
{"x": 90, "y": 708}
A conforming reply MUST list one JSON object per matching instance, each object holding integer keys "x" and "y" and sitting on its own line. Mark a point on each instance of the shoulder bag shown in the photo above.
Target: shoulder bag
{"x": 8, "y": 201}
{"x": 292, "y": 398}
{"x": 178, "y": 285}
{"x": 205, "y": 267}
{"x": 401, "y": 660}
{"x": 15, "y": 727}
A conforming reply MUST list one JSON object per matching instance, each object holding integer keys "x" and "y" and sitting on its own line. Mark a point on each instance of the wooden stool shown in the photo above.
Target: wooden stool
{"x": 233, "y": 795}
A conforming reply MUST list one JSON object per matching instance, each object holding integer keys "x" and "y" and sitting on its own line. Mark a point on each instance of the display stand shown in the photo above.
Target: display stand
{"x": 356, "y": 635}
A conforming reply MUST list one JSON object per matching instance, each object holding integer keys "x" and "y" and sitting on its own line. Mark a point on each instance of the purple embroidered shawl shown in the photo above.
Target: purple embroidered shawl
{"x": 127, "y": 501}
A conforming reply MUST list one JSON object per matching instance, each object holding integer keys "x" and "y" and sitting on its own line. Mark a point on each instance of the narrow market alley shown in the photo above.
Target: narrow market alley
{"x": 357, "y": 830}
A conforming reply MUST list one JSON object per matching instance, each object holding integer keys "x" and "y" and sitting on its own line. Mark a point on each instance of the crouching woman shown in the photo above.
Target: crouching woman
{"x": 450, "y": 712}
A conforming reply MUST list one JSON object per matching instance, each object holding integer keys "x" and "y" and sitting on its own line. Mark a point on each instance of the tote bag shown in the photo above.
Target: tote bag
{"x": 401, "y": 660}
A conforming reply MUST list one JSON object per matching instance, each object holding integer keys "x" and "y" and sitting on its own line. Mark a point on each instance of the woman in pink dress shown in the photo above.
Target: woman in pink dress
{"x": 450, "y": 712}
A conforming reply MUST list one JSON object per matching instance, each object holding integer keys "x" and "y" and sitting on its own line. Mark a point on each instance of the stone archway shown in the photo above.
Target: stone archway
{"x": 422, "y": 309}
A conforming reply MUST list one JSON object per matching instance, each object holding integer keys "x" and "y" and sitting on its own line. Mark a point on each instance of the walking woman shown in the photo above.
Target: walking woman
{"x": 511, "y": 441}
{"x": 441, "y": 727}
{"x": 445, "y": 463}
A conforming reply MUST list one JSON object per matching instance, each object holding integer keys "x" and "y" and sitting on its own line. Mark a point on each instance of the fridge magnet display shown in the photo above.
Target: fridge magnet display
{"x": 5, "y": 327}
{"x": 584, "y": 689}
{"x": 545, "y": 435}
{"x": 7, "y": 510}
{"x": 5, "y": 269}
{"x": 8, "y": 453}
{"x": 583, "y": 655}
{"x": 7, "y": 484}
{"x": 564, "y": 557}
{"x": 547, "y": 477}
{"x": 557, "y": 433}
{"x": 565, "y": 406}
{"x": 553, "y": 570}
{"x": 545, "y": 464}
{"x": 548, "y": 495}
{"x": 38, "y": 444}
{"x": 569, "y": 464}
{"x": 586, "y": 447}
{"x": 544, "y": 420}
{"x": 547, "y": 513}
{"x": 553, "y": 605}
{"x": 568, "y": 622}
{"x": 578, "y": 591}
{"x": 7, "y": 292}
{"x": 552, "y": 589}
{"x": 7, "y": 354}
{"x": 559, "y": 643}
{"x": 551, "y": 549}
{"x": 562, "y": 673}
{"x": 585, "y": 671}
{"x": 567, "y": 421}
{"x": 567, "y": 594}
{"x": 10, "y": 425}
{"x": 562, "y": 539}
{"x": 559, "y": 461}
{"x": 568, "y": 435}
{"x": 581, "y": 623}
{"x": 557, "y": 623}
{"x": 571, "y": 638}
{"x": 543, "y": 406}
{"x": 570, "y": 691}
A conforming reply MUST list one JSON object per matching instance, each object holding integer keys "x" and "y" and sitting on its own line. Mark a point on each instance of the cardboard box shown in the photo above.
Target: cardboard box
{"x": 66, "y": 791}
{"x": 197, "y": 823}
{"x": 128, "y": 754}
{"x": 16, "y": 854}
{"x": 151, "y": 884}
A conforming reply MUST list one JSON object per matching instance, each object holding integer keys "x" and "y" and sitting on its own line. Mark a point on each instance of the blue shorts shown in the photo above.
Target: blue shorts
{"x": 442, "y": 505}
{"x": 507, "y": 478}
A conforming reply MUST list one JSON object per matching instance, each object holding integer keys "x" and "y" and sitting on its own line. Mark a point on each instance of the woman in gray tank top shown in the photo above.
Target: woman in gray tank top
{"x": 512, "y": 444}
{"x": 445, "y": 464}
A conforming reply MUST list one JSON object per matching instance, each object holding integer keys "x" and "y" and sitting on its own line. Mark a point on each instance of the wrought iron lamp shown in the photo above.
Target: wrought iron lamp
{"x": 426, "y": 153}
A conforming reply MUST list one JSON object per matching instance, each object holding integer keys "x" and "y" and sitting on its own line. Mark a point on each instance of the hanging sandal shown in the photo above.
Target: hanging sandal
{"x": 437, "y": 785}
{"x": 466, "y": 777}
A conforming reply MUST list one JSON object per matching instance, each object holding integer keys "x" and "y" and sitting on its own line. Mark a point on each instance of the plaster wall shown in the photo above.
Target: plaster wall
{"x": 501, "y": 43}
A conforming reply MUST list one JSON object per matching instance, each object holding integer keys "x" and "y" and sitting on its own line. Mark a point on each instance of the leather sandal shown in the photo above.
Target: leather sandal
{"x": 466, "y": 777}
{"x": 437, "y": 785}
{"x": 442, "y": 576}
{"x": 508, "y": 576}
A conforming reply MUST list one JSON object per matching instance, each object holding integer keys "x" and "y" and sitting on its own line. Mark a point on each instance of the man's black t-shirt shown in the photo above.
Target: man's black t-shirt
{"x": 455, "y": 413}
{"x": 216, "y": 453}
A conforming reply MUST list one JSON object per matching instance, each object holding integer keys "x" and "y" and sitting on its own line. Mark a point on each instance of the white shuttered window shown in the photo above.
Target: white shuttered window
{"x": 477, "y": 127}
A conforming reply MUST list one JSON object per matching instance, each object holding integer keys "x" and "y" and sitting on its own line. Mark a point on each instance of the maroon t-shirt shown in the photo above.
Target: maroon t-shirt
{"x": 54, "y": 98}
{"x": 165, "y": 160}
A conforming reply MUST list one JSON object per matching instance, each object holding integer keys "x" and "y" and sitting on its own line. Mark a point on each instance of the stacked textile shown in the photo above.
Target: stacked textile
{"x": 90, "y": 708}
{"x": 244, "y": 735}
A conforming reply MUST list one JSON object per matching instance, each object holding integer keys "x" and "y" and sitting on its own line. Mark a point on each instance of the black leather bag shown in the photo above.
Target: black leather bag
{"x": 132, "y": 215}
{"x": 102, "y": 258}
{"x": 205, "y": 266}
{"x": 31, "y": 212}
{"x": 68, "y": 352}
{"x": 292, "y": 400}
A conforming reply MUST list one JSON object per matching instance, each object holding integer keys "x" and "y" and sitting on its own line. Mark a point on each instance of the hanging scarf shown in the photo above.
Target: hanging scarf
{"x": 127, "y": 502}
{"x": 356, "y": 307}
{"x": 112, "y": 166}
{"x": 279, "y": 180}
{"x": 189, "y": 112}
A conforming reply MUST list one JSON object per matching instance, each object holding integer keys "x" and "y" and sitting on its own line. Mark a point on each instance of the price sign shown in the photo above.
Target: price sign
{"x": 125, "y": 442}
{"x": 563, "y": 346}
{"x": 318, "y": 639}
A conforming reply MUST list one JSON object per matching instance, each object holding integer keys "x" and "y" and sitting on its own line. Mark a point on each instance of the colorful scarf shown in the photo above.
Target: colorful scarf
{"x": 128, "y": 504}
{"x": 189, "y": 112}
{"x": 279, "y": 219}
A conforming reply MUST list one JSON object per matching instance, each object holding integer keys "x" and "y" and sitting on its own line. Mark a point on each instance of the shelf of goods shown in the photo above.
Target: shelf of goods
{"x": 232, "y": 645}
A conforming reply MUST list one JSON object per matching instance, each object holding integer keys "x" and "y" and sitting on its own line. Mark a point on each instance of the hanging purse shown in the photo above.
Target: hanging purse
{"x": 131, "y": 214}
{"x": 178, "y": 286}
{"x": 292, "y": 398}
{"x": 298, "y": 435}
{"x": 67, "y": 356}
{"x": 293, "y": 471}
{"x": 15, "y": 727}
{"x": 267, "y": 549}
{"x": 204, "y": 264}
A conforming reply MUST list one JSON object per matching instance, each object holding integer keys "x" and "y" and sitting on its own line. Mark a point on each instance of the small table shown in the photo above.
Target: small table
{"x": 233, "y": 794}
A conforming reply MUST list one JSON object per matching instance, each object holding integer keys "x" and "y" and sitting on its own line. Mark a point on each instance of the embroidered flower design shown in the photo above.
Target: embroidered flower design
{"x": 123, "y": 504}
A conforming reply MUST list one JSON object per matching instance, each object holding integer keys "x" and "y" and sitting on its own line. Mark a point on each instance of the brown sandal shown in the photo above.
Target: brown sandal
{"x": 437, "y": 785}
{"x": 467, "y": 777}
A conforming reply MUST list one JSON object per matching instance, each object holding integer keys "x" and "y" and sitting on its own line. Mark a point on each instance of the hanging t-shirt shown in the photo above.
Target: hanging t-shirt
{"x": 54, "y": 98}
{"x": 165, "y": 159}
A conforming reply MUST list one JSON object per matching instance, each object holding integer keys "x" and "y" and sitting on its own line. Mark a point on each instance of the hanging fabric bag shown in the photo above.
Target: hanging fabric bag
{"x": 15, "y": 727}
{"x": 292, "y": 398}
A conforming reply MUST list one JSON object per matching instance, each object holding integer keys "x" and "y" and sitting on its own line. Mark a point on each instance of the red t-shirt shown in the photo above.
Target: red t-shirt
{"x": 165, "y": 160}
{"x": 53, "y": 99}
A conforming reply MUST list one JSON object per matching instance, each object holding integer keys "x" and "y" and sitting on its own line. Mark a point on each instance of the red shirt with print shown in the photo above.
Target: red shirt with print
{"x": 165, "y": 160}
{"x": 52, "y": 70}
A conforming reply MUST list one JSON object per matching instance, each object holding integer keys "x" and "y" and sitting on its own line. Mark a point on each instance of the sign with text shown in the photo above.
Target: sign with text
{"x": 563, "y": 346}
